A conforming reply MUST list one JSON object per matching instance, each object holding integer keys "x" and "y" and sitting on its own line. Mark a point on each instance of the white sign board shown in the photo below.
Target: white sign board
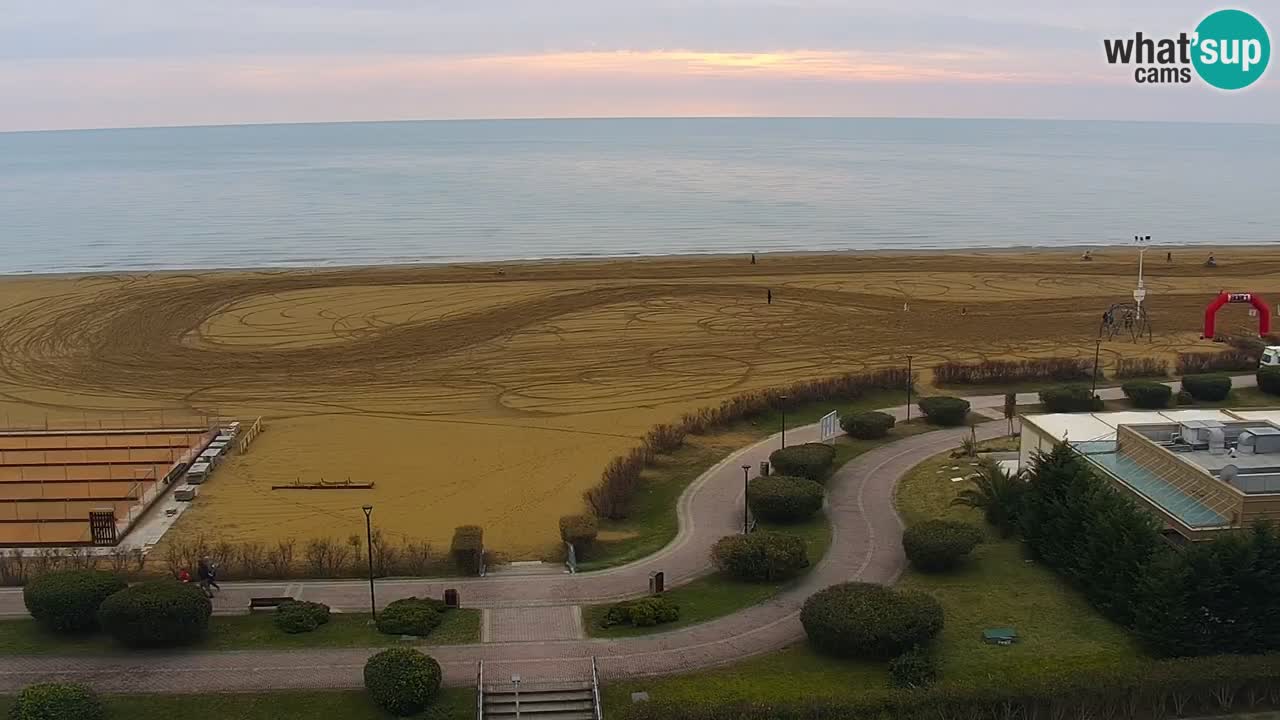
{"x": 830, "y": 426}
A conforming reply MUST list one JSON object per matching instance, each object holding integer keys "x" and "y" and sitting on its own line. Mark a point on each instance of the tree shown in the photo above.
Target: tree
{"x": 997, "y": 494}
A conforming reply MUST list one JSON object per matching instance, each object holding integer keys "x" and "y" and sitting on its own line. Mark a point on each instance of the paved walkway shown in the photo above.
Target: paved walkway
{"x": 866, "y": 545}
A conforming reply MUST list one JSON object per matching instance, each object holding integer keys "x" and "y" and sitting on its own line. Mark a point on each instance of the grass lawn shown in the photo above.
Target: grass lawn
{"x": 999, "y": 587}
{"x": 717, "y": 595}
{"x": 653, "y": 521}
{"x": 246, "y": 632}
{"x": 453, "y": 703}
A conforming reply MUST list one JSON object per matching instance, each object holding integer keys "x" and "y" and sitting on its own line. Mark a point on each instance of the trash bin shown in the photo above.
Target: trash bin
{"x": 656, "y": 583}
{"x": 451, "y": 598}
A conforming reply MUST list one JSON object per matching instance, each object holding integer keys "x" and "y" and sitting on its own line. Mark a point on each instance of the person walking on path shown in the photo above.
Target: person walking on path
{"x": 208, "y": 573}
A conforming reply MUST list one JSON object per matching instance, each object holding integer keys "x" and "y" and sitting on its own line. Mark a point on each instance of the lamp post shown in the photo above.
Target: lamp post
{"x": 1097, "y": 350}
{"x": 908, "y": 388}
{"x": 515, "y": 680}
{"x": 783, "y": 398}
{"x": 746, "y": 504}
{"x": 368, "y": 528}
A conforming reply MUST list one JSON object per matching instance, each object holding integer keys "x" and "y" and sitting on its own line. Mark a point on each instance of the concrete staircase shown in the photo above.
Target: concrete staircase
{"x": 566, "y": 700}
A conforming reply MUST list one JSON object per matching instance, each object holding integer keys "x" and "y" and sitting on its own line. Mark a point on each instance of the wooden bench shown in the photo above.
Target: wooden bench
{"x": 260, "y": 603}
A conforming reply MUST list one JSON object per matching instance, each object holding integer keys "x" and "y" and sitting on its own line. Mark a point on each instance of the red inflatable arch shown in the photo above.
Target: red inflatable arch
{"x": 1264, "y": 312}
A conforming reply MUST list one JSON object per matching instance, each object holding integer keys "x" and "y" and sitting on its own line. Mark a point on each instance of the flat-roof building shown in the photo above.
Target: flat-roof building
{"x": 1200, "y": 471}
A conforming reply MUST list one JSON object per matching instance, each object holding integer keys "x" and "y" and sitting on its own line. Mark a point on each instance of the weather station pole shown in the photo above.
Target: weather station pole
{"x": 908, "y": 388}
{"x": 784, "y": 420}
{"x": 368, "y": 529}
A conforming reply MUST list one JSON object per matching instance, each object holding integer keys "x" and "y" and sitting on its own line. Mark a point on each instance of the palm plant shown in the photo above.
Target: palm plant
{"x": 996, "y": 493}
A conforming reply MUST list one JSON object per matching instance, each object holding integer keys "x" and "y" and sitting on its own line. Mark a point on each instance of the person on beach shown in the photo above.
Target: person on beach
{"x": 1088, "y": 255}
{"x": 753, "y": 258}
{"x": 1211, "y": 262}
{"x": 768, "y": 294}
{"x": 1168, "y": 257}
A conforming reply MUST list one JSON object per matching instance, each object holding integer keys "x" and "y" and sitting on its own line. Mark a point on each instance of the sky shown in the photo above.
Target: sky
{"x": 124, "y": 63}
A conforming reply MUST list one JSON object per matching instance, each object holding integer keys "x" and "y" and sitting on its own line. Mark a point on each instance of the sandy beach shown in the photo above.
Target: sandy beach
{"x": 493, "y": 394}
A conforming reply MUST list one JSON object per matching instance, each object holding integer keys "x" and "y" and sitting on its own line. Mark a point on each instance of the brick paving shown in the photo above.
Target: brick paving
{"x": 531, "y": 624}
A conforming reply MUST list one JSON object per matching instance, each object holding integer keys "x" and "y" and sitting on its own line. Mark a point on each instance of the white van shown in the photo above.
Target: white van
{"x": 1270, "y": 356}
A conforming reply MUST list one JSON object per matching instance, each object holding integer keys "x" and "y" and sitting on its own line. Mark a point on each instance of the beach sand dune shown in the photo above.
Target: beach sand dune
{"x": 470, "y": 395}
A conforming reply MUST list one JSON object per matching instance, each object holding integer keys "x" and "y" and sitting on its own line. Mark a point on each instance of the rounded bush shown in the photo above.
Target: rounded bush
{"x": 762, "y": 556}
{"x": 1183, "y": 398}
{"x": 645, "y": 612}
{"x": 914, "y": 669}
{"x": 863, "y": 620}
{"x": 944, "y": 410}
{"x": 56, "y": 701}
{"x": 67, "y": 601}
{"x": 810, "y": 460}
{"x": 783, "y": 499}
{"x": 867, "y": 425}
{"x": 1147, "y": 394}
{"x": 410, "y": 616}
{"x": 1269, "y": 379}
{"x": 1208, "y": 388}
{"x": 579, "y": 530}
{"x": 939, "y": 545}
{"x": 300, "y": 616}
{"x": 402, "y": 681}
{"x": 162, "y": 613}
{"x": 1069, "y": 399}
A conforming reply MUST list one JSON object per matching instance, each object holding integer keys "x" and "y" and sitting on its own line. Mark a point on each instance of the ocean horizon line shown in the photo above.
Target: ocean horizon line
{"x": 624, "y": 118}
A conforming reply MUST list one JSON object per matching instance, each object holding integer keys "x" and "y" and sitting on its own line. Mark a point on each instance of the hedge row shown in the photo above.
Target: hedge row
{"x": 1142, "y": 367}
{"x": 944, "y": 410}
{"x": 1069, "y": 399}
{"x": 1166, "y": 689}
{"x": 784, "y": 499}
{"x": 411, "y": 616}
{"x": 1195, "y": 363}
{"x": 1148, "y": 394}
{"x": 996, "y": 372}
{"x": 645, "y": 612}
{"x": 1210, "y": 388}
{"x": 761, "y": 556}
{"x": 810, "y": 460}
{"x": 467, "y": 549}
{"x": 867, "y": 425}
{"x": 613, "y": 496}
{"x": 1269, "y": 380}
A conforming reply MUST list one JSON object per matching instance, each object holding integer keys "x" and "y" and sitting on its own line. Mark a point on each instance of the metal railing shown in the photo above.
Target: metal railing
{"x": 595, "y": 690}
{"x": 480, "y": 690}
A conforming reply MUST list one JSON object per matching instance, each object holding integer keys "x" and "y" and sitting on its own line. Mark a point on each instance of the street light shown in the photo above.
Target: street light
{"x": 368, "y": 528}
{"x": 746, "y": 505}
{"x": 908, "y": 388}
{"x": 515, "y": 680}
{"x": 783, "y": 398}
{"x": 1097, "y": 350}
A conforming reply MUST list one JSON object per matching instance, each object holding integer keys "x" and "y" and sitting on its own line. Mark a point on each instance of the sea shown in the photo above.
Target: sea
{"x": 463, "y": 191}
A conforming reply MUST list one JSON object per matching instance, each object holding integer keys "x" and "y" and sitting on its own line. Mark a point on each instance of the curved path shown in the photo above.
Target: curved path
{"x": 866, "y": 545}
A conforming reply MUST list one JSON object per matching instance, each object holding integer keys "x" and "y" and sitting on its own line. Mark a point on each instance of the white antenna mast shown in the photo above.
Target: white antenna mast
{"x": 1140, "y": 293}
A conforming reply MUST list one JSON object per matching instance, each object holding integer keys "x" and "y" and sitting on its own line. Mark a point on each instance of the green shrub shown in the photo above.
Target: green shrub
{"x": 914, "y": 669}
{"x": 1069, "y": 399}
{"x": 579, "y": 531}
{"x": 402, "y": 681}
{"x": 864, "y": 620}
{"x": 410, "y": 616}
{"x": 161, "y": 613}
{"x": 645, "y": 612}
{"x": 1184, "y": 398}
{"x": 67, "y": 601}
{"x": 1208, "y": 388}
{"x": 810, "y": 460}
{"x": 1269, "y": 379}
{"x": 783, "y": 499}
{"x": 467, "y": 548}
{"x": 867, "y": 425}
{"x": 944, "y": 410}
{"x": 762, "y": 556}
{"x": 1147, "y": 394}
{"x": 299, "y": 616}
{"x": 939, "y": 545}
{"x": 56, "y": 701}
